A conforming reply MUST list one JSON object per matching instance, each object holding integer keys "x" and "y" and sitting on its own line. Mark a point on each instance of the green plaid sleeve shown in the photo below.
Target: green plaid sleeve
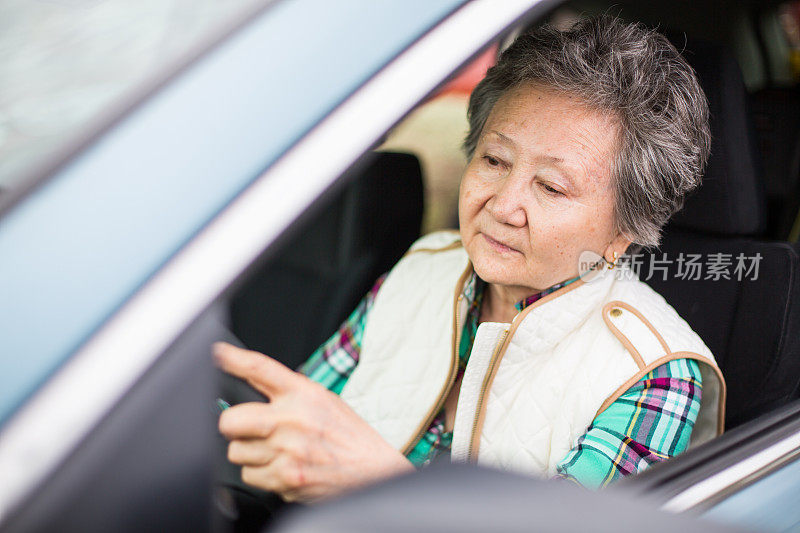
{"x": 649, "y": 423}
{"x": 332, "y": 363}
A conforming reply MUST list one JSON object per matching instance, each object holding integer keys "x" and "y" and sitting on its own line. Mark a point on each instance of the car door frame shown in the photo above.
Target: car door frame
{"x": 705, "y": 476}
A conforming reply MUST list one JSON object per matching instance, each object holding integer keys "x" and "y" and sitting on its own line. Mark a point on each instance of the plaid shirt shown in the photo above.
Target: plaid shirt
{"x": 650, "y": 422}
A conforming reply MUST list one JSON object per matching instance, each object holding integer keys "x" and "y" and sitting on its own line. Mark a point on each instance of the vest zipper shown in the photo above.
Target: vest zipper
{"x": 497, "y": 357}
{"x": 482, "y": 396}
{"x": 451, "y": 376}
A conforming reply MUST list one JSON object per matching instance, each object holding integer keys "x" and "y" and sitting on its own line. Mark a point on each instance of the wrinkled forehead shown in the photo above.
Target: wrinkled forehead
{"x": 570, "y": 101}
{"x": 545, "y": 125}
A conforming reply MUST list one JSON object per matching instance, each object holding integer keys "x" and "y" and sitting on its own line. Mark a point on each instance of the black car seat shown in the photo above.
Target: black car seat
{"x": 299, "y": 298}
{"x": 732, "y": 182}
{"x": 751, "y": 325}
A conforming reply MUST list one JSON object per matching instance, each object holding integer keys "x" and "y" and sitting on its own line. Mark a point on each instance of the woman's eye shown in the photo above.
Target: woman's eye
{"x": 491, "y": 161}
{"x": 550, "y": 190}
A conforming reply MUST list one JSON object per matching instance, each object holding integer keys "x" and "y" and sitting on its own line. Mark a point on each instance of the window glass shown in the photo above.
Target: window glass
{"x": 781, "y": 43}
{"x": 789, "y": 16}
{"x": 62, "y": 62}
{"x": 434, "y": 132}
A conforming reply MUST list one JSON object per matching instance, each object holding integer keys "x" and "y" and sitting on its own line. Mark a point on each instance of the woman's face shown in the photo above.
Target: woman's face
{"x": 538, "y": 190}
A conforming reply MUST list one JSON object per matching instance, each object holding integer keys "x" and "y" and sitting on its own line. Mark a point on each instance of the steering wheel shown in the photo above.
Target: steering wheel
{"x": 241, "y": 507}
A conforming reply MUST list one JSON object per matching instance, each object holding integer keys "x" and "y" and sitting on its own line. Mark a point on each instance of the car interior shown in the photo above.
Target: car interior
{"x": 746, "y": 206}
{"x": 303, "y": 286}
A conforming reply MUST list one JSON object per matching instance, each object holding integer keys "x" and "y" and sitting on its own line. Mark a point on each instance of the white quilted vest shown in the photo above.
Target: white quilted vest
{"x": 532, "y": 387}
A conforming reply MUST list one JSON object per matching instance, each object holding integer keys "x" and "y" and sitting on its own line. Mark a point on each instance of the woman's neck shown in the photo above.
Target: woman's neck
{"x": 499, "y": 302}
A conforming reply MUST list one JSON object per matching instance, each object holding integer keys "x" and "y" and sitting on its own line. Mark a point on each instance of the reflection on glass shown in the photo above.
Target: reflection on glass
{"x": 63, "y": 62}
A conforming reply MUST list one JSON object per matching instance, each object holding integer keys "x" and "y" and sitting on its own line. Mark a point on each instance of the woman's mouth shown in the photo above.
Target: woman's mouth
{"x": 499, "y": 246}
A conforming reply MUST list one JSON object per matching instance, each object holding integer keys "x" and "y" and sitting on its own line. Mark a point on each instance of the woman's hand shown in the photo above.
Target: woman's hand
{"x": 306, "y": 443}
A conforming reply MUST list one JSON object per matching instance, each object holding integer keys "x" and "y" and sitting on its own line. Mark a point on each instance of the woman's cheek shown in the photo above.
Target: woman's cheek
{"x": 549, "y": 241}
{"x": 474, "y": 199}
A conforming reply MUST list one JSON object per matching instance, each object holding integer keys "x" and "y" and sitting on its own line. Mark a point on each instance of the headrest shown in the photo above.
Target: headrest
{"x": 731, "y": 199}
{"x": 388, "y": 200}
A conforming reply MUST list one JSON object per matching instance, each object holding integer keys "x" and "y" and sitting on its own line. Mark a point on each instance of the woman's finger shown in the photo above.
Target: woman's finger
{"x": 253, "y": 420}
{"x": 251, "y": 452}
{"x": 281, "y": 475}
{"x": 262, "y": 372}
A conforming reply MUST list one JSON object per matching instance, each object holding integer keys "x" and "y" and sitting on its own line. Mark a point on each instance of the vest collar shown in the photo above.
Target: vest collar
{"x": 555, "y": 315}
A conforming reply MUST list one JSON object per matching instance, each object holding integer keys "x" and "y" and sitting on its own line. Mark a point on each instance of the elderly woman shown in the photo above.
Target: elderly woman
{"x": 488, "y": 343}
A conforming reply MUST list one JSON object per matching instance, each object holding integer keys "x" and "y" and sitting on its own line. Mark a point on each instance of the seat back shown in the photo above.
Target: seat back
{"x": 298, "y": 299}
{"x": 744, "y": 302}
{"x": 746, "y": 310}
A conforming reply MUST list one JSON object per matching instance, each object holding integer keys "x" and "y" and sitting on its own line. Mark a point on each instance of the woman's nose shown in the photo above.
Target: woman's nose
{"x": 506, "y": 205}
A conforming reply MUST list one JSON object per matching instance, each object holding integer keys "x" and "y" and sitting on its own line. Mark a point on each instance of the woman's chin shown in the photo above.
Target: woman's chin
{"x": 496, "y": 272}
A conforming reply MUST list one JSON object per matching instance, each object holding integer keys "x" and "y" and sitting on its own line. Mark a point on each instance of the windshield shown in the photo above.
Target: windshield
{"x": 63, "y": 62}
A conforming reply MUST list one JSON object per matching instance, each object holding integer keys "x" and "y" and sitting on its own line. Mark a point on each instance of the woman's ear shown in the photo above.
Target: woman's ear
{"x": 617, "y": 247}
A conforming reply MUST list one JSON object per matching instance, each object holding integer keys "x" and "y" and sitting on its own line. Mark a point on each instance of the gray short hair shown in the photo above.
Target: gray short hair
{"x": 637, "y": 76}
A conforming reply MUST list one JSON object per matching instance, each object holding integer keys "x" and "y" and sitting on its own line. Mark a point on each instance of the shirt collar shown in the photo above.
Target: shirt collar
{"x": 525, "y": 302}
